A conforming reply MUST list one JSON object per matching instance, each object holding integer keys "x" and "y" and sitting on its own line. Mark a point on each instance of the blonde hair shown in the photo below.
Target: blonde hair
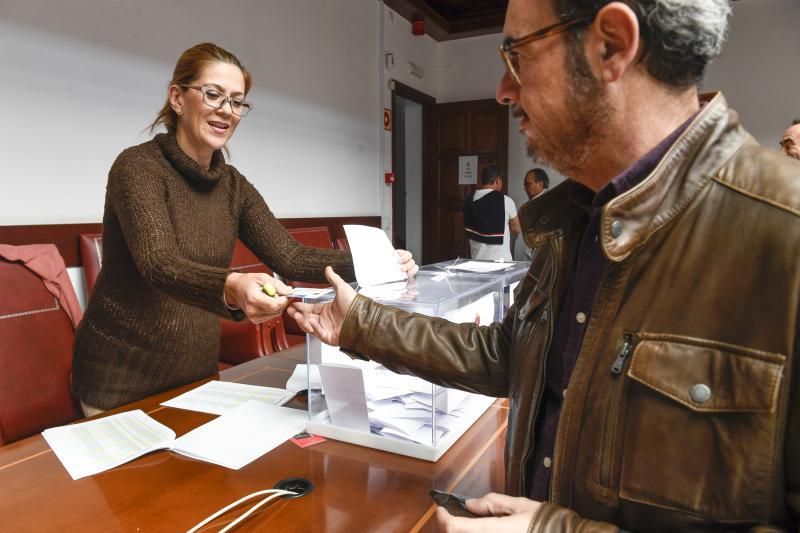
{"x": 188, "y": 68}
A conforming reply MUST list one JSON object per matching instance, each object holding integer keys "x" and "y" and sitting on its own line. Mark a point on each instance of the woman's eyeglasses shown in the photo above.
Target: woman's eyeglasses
{"x": 214, "y": 98}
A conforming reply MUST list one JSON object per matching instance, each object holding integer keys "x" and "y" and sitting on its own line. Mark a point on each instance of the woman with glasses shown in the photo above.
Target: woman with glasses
{"x": 174, "y": 210}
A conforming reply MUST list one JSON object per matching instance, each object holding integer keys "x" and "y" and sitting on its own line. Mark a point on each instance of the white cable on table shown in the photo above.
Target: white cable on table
{"x": 274, "y": 493}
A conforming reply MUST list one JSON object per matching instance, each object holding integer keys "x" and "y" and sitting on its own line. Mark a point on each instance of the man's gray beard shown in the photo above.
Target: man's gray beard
{"x": 590, "y": 111}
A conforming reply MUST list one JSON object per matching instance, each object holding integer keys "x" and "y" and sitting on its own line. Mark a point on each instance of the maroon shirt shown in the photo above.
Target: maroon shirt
{"x": 573, "y": 317}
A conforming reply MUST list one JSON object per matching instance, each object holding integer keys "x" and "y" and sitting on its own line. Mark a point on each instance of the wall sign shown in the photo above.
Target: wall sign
{"x": 468, "y": 170}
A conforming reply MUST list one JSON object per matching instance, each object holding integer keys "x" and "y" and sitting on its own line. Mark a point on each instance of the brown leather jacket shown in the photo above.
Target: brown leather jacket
{"x": 683, "y": 411}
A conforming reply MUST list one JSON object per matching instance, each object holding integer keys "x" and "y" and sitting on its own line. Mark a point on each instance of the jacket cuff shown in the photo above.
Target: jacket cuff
{"x": 357, "y": 327}
{"x": 552, "y": 518}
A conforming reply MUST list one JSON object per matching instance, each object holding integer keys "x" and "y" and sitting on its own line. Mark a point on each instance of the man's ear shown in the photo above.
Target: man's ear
{"x": 612, "y": 41}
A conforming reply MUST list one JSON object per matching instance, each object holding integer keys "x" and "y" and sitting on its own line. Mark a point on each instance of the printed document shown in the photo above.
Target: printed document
{"x": 219, "y": 397}
{"x": 232, "y": 440}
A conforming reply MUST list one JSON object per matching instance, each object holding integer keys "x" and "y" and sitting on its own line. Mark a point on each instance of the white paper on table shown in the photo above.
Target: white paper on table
{"x": 242, "y": 435}
{"x": 92, "y": 447}
{"x": 481, "y": 266}
{"x": 374, "y": 258}
{"x": 219, "y": 397}
{"x": 299, "y": 379}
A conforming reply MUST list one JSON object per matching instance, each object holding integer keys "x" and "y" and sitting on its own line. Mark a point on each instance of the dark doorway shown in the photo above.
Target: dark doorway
{"x": 475, "y": 128}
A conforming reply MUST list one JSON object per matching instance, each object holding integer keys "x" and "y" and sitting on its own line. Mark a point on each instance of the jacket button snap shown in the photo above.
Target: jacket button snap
{"x": 700, "y": 393}
{"x": 616, "y": 229}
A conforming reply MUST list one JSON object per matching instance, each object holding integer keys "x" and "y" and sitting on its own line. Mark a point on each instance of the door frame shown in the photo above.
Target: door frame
{"x": 427, "y": 102}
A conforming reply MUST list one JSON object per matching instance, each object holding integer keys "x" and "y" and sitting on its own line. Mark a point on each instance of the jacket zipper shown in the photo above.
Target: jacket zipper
{"x": 547, "y": 316}
{"x": 610, "y": 425}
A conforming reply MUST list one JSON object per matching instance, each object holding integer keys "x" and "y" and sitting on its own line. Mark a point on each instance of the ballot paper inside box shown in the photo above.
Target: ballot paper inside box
{"x": 364, "y": 403}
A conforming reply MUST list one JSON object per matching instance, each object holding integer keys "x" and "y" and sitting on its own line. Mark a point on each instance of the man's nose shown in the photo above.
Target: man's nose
{"x": 507, "y": 92}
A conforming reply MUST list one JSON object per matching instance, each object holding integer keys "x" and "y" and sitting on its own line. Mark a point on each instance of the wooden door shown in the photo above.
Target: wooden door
{"x": 478, "y": 127}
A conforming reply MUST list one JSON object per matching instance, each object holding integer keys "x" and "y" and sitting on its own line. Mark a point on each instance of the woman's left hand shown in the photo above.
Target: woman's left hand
{"x": 407, "y": 263}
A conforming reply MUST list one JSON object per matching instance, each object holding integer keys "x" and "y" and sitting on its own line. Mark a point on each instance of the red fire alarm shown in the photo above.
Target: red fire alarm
{"x": 388, "y": 177}
{"x": 418, "y": 26}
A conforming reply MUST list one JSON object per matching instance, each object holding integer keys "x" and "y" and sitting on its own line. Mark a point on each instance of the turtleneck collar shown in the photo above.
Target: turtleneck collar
{"x": 187, "y": 166}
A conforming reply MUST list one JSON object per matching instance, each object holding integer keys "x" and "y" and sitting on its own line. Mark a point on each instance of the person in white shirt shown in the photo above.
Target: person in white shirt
{"x": 489, "y": 218}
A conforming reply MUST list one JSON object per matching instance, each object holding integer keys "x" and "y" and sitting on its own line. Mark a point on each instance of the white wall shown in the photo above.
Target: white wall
{"x": 469, "y": 68}
{"x": 758, "y": 70}
{"x": 421, "y": 50}
{"x": 85, "y": 78}
{"x": 462, "y": 69}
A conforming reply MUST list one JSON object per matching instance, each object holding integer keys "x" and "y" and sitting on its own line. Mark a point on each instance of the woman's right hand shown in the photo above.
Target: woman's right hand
{"x": 245, "y": 291}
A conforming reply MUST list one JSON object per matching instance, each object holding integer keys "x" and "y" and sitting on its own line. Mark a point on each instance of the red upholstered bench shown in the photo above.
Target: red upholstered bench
{"x": 36, "y": 338}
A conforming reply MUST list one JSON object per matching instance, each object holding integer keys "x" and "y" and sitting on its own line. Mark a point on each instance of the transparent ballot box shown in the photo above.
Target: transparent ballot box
{"x": 510, "y": 273}
{"x": 364, "y": 403}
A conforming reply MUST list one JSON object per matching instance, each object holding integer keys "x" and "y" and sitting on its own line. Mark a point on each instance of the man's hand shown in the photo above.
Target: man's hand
{"x": 325, "y": 320}
{"x": 407, "y": 263}
{"x": 502, "y": 513}
{"x": 246, "y": 292}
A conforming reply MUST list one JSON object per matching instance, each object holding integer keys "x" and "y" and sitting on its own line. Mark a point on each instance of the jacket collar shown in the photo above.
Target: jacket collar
{"x": 632, "y": 217}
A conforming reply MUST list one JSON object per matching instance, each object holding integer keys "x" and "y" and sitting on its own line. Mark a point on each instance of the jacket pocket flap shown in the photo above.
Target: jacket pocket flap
{"x": 706, "y": 375}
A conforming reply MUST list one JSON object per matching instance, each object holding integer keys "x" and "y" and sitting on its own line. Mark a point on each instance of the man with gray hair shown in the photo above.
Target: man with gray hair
{"x": 536, "y": 182}
{"x": 790, "y": 143}
{"x": 651, "y": 358}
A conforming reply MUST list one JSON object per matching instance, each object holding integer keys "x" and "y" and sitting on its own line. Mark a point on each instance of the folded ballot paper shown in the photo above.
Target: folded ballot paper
{"x": 233, "y": 440}
{"x": 375, "y": 260}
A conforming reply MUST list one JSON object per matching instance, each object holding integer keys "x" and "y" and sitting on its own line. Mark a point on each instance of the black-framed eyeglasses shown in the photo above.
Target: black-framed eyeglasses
{"x": 212, "y": 97}
{"x": 511, "y": 59}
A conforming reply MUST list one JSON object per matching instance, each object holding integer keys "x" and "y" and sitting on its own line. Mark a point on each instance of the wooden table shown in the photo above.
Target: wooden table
{"x": 355, "y": 488}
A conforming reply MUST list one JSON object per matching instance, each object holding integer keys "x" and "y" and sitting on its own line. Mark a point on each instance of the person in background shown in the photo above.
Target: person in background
{"x": 651, "y": 358}
{"x": 790, "y": 143}
{"x": 174, "y": 210}
{"x": 489, "y": 218}
{"x": 536, "y": 183}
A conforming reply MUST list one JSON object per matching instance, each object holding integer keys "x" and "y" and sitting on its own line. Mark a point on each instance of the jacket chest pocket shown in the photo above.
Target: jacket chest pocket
{"x": 701, "y": 427}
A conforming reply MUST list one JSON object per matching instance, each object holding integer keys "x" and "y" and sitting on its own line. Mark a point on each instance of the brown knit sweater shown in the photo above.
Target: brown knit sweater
{"x": 169, "y": 230}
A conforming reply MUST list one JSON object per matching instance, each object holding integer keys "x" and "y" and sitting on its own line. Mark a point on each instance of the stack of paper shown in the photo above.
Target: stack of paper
{"x": 219, "y": 397}
{"x": 241, "y": 435}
